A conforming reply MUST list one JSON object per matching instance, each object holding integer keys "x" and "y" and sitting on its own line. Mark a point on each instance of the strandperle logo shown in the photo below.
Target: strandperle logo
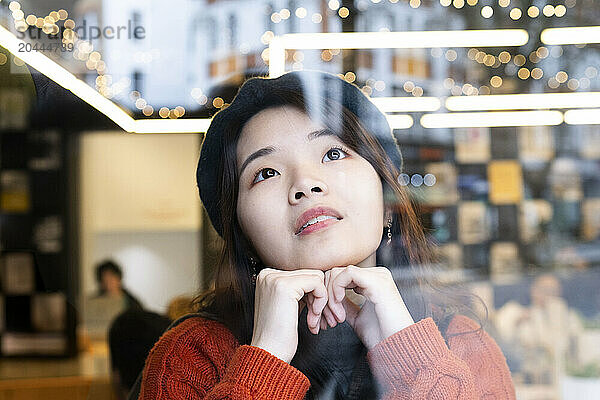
{"x": 92, "y": 32}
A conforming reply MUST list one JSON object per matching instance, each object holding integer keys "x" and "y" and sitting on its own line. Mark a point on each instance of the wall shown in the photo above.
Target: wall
{"x": 139, "y": 204}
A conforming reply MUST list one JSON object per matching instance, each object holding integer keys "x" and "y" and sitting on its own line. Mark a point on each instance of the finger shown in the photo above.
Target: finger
{"x": 323, "y": 324}
{"x": 316, "y": 300}
{"x": 349, "y": 277}
{"x": 351, "y": 310}
{"x": 331, "y": 320}
{"x": 334, "y": 306}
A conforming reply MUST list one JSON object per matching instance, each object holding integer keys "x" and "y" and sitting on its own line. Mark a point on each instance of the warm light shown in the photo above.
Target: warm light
{"x": 343, "y": 12}
{"x": 548, "y": 10}
{"x": 491, "y": 119}
{"x": 533, "y": 11}
{"x": 301, "y": 12}
{"x": 519, "y": 60}
{"x": 487, "y": 12}
{"x": 573, "y": 84}
{"x": 458, "y": 3}
{"x": 275, "y": 18}
{"x": 67, "y": 80}
{"x": 14, "y": 6}
{"x": 284, "y": 13}
{"x": 451, "y": 55}
{"x": 504, "y": 57}
{"x": 560, "y": 10}
{"x": 523, "y": 73}
{"x": 524, "y": 101}
{"x": 400, "y": 121}
{"x": 196, "y": 125}
{"x": 406, "y": 104}
{"x": 472, "y": 2}
{"x": 537, "y": 73}
{"x": 562, "y": 76}
{"x": 406, "y": 40}
{"x": 496, "y": 81}
{"x": 574, "y": 35}
{"x": 515, "y": 13}
{"x": 503, "y": 3}
{"x": 582, "y": 117}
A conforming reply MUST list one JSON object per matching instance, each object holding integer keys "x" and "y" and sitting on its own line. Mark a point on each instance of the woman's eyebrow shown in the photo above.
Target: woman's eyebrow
{"x": 270, "y": 149}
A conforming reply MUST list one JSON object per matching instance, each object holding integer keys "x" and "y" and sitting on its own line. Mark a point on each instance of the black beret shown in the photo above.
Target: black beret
{"x": 256, "y": 94}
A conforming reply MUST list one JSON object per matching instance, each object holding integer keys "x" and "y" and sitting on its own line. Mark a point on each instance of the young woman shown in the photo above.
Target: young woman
{"x": 299, "y": 177}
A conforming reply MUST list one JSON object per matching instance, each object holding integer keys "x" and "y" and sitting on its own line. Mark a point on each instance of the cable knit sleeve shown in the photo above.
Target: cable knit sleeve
{"x": 188, "y": 363}
{"x": 415, "y": 363}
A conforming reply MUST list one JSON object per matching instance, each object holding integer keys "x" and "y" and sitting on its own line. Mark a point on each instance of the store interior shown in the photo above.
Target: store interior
{"x": 100, "y": 138}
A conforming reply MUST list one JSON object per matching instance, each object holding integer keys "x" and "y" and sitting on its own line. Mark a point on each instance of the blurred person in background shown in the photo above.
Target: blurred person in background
{"x": 111, "y": 300}
{"x": 109, "y": 276}
{"x": 131, "y": 336}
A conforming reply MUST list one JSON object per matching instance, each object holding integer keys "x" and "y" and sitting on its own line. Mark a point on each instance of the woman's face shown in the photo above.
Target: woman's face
{"x": 295, "y": 172}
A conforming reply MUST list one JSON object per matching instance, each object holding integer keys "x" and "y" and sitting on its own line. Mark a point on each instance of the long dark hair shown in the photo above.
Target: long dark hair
{"x": 230, "y": 299}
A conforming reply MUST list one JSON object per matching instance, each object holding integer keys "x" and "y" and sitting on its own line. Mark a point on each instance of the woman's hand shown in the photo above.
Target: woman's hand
{"x": 276, "y": 308}
{"x": 382, "y": 314}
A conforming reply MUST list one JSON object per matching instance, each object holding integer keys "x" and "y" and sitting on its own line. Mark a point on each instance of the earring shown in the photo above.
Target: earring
{"x": 253, "y": 264}
{"x": 389, "y": 231}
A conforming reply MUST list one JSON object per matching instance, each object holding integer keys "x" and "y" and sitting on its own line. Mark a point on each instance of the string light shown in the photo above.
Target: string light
{"x": 560, "y": 10}
{"x": 451, "y": 55}
{"x": 553, "y": 83}
{"x": 573, "y": 84}
{"x": 301, "y": 12}
{"x": 515, "y": 13}
{"x": 496, "y": 81}
{"x": 284, "y": 13}
{"x": 561, "y": 76}
{"x": 537, "y": 73}
{"x": 487, "y": 12}
{"x": 533, "y": 12}
{"x": 504, "y": 57}
{"x": 523, "y": 73}
{"x": 343, "y": 12}
{"x": 548, "y": 10}
{"x": 519, "y": 60}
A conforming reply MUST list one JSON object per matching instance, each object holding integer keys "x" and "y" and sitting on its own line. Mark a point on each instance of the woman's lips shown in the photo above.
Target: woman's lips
{"x": 318, "y": 226}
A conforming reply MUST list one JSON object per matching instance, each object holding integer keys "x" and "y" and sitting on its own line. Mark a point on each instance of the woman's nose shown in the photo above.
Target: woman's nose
{"x": 306, "y": 185}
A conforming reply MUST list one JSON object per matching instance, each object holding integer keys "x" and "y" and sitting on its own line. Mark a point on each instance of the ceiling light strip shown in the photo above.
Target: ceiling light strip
{"x": 571, "y": 35}
{"x": 523, "y": 101}
{"x": 583, "y": 117}
{"x": 67, "y": 80}
{"x": 492, "y": 119}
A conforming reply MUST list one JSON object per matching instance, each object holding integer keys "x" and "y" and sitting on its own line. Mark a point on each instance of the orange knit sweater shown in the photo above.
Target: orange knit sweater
{"x": 201, "y": 359}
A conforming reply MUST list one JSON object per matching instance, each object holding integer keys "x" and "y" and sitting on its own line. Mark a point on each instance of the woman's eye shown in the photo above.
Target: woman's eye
{"x": 335, "y": 154}
{"x": 264, "y": 173}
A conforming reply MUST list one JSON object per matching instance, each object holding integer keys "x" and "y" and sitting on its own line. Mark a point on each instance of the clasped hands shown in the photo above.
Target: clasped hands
{"x": 281, "y": 294}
